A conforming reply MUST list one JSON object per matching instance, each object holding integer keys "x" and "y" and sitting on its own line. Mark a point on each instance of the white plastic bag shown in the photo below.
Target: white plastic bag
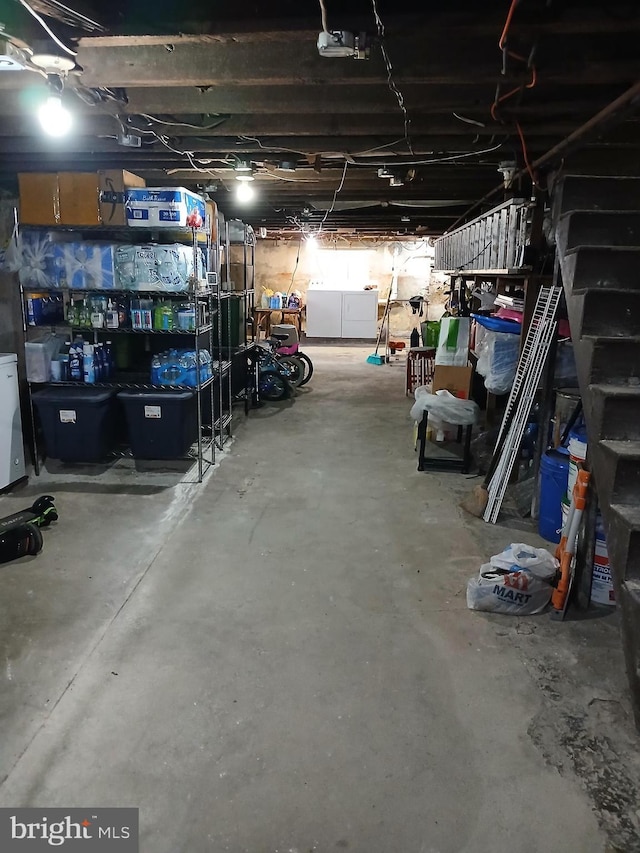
{"x": 516, "y": 581}
{"x": 498, "y": 354}
{"x": 537, "y": 561}
{"x": 519, "y": 593}
{"x": 444, "y": 406}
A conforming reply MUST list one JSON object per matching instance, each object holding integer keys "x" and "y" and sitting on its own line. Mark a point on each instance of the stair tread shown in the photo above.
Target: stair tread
{"x": 611, "y": 339}
{"x": 621, "y": 448}
{"x": 600, "y": 247}
{"x": 615, "y": 389}
{"x": 630, "y": 513}
{"x": 589, "y": 211}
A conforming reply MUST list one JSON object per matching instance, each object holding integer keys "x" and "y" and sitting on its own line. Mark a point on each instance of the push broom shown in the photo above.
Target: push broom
{"x": 374, "y": 358}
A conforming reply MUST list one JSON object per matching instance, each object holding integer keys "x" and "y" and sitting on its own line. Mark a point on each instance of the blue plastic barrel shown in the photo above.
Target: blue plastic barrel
{"x": 554, "y": 476}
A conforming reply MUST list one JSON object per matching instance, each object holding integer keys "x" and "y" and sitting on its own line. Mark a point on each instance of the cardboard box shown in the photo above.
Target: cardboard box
{"x": 39, "y": 198}
{"x": 211, "y": 220}
{"x": 86, "y": 266}
{"x": 112, "y": 187}
{"x": 456, "y": 380}
{"x": 162, "y": 207}
{"x": 79, "y": 198}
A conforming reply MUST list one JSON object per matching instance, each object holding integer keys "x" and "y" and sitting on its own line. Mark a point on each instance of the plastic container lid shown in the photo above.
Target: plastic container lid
{"x": 495, "y": 324}
{"x": 155, "y": 396}
{"x": 66, "y": 394}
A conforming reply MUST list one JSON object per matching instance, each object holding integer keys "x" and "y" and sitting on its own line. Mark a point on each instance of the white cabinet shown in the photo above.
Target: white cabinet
{"x": 11, "y": 448}
{"x": 342, "y": 313}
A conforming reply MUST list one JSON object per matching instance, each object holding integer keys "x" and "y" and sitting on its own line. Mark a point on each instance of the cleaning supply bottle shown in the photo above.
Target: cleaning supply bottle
{"x": 415, "y": 338}
{"x": 75, "y": 360}
{"x": 112, "y": 317}
{"x": 88, "y": 364}
{"x": 110, "y": 359}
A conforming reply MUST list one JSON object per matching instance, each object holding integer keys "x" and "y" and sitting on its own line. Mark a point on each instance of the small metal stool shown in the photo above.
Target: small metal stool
{"x": 421, "y": 363}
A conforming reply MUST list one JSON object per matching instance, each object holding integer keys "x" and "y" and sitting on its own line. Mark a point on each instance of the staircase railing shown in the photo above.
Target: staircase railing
{"x": 494, "y": 241}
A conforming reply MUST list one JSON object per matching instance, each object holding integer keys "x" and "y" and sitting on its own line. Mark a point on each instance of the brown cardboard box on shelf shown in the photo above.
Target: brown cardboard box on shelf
{"x": 211, "y": 223}
{"x": 112, "y": 185}
{"x": 39, "y": 198}
{"x": 457, "y": 380}
{"x": 79, "y": 198}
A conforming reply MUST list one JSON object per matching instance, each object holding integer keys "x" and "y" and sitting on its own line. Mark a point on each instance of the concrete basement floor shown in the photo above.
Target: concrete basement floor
{"x": 281, "y": 659}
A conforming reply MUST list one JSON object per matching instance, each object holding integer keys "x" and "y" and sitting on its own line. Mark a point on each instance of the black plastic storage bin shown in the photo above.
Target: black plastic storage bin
{"x": 78, "y": 423}
{"x": 161, "y": 425}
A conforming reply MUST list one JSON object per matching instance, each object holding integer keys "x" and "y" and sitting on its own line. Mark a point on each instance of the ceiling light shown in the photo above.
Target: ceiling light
{"x": 311, "y": 243}
{"x": 385, "y": 172}
{"x": 394, "y": 181}
{"x": 244, "y": 192}
{"x": 245, "y": 177}
{"x": 55, "y": 119}
{"x": 405, "y": 219}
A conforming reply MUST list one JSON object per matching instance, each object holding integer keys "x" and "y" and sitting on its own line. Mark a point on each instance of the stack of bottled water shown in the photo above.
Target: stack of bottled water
{"x": 179, "y": 367}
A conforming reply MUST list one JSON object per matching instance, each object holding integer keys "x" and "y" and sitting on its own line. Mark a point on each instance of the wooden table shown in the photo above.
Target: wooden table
{"x": 262, "y": 319}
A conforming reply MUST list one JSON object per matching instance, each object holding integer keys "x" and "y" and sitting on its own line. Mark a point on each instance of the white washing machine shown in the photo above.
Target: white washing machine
{"x": 11, "y": 447}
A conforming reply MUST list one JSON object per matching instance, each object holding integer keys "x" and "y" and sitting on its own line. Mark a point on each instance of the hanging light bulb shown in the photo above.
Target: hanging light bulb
{"x": 54, "y": 119}
{"x": 245, "y": 192}
{"x": 312, "y": 243}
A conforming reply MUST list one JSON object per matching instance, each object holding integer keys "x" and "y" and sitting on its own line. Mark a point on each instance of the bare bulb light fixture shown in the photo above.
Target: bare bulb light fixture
{"x": 54, "y": 119}
{"x": 245, "y": 192}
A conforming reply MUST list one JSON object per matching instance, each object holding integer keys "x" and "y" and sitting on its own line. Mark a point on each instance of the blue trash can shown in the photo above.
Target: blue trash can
{"x": 554, "y": 478}
{"x": 161, "y": 425}
{"x": 78, "y": 424}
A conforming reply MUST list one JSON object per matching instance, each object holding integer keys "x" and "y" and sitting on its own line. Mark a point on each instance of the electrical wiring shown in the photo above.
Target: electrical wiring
{"x": 47, "y": 28}
{"x": 296, "y": 265}
{"x": 437, "y": 159}
{"x": 390, "y": 81}
{"x": 183, "y": 123}
{"x": 335, "y": 196}
{"x": 525, "y": 155}
{"x": 468, "y": 120}
{"x": 502, "y": 41}
{"x": 323, "y": 12}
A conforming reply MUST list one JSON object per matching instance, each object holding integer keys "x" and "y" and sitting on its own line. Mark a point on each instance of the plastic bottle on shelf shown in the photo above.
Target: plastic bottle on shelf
{"x": 88, "y": 364}
{"x": 97, "y": 313}
{"x": 109, "y": 358}
{"x": 163, "y": 316}
{"x": 75, "y": 360}
{"x": 156, "y": 364}
{"x": 122, "y": 306}
{"x": 100, "y": 363}
{"x": 188, "y": 364}
{"x": 112, "y": 320}
{"x": 84, "y": 315}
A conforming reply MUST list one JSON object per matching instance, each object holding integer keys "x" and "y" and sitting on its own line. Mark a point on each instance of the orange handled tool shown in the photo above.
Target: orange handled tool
{"x": 566, "y": 550}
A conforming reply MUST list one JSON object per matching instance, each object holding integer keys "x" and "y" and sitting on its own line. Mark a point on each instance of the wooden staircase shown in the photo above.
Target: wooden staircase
{"x": 597, "y": 228}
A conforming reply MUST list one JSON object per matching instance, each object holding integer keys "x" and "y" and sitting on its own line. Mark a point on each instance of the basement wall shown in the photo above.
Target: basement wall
{"x": 287, "y": 265}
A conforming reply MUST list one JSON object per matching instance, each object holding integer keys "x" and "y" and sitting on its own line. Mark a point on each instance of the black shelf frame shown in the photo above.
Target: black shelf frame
{"x": 196, "y": 290}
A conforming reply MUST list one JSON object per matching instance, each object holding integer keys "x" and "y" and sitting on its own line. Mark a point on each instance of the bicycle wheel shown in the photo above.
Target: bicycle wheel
{"x": 272, "y": 387}
{"x": 308, "y": 373}
{"x": 295, "y": 369}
